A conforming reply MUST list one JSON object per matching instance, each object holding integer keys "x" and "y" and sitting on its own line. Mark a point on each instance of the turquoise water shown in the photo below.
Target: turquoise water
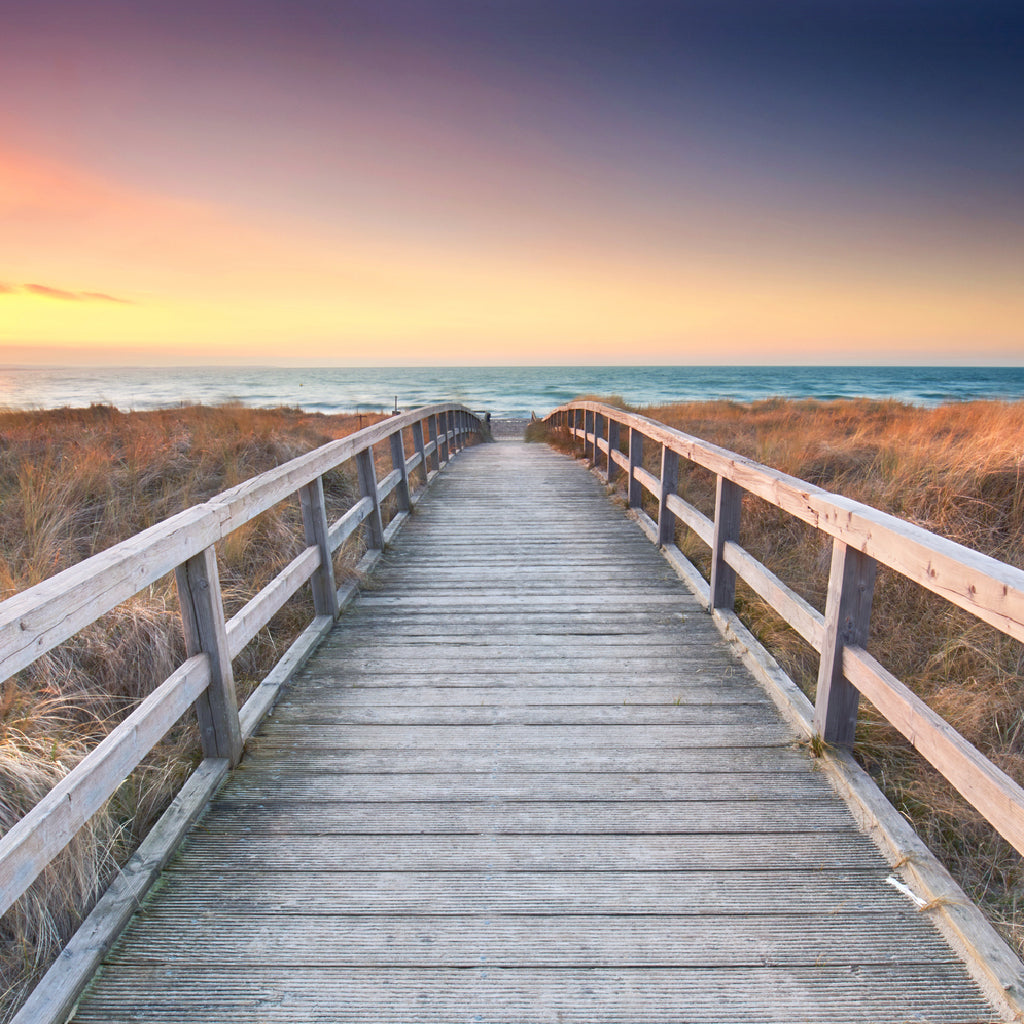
{"x": 504, "y": 391}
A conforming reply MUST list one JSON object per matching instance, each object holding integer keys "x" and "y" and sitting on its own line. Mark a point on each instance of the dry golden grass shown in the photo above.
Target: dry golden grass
{"x": 72, "y": 483}
{"x": 957, "y": 470}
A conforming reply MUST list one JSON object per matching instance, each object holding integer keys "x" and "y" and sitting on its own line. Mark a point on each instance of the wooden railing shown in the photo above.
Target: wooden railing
{"x": 38, "y": 619}
{"x": 862, "y": 537}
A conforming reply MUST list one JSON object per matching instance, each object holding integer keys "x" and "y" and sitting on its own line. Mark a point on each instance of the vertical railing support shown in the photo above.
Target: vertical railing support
{"x": 314, "y": 521}
{"x": 851, "y": 586}
{"x": 612, "y": 469}
{"x": 669, "y": 481}
{"x": 202, "y": 618}
{"x": 368, "y": 488}
{"x": 636, "y": 458}
{"x": 417, "y": 443}
{"x": 398, "y": 462}
{"x": 598, "y": 437}
{"x": 442, "y": 433}
{"x": 728, "y": 507}
{"x": 588, "y": 435}
{"x": 435, "y": 455}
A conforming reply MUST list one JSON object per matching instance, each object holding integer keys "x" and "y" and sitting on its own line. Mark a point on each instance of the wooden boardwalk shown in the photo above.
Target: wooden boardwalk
{"x": 524, "y": 780}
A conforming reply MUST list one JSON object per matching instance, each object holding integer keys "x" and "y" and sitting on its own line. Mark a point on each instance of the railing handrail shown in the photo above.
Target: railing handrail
{"x": 39, "y": 618}
{"x": 991, "y": 590}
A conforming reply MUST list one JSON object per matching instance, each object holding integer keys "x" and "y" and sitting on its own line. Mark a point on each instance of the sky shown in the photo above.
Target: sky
{"x": 389, "y": 182}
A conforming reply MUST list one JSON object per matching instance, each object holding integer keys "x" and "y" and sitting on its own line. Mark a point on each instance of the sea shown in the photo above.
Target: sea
{"x": 504, "y": 391}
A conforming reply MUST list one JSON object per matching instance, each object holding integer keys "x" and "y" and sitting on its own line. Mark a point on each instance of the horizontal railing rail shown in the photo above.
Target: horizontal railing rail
{"x": 40, "y": 618}
{"x": 862, "y": 537}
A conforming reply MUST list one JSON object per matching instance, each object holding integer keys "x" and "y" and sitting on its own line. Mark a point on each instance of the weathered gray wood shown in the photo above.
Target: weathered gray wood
{"x": 434, "y": 445}
{"x": 202, "y": 617}
{"x": 693, "y": 518}
{"x": 417, "y": 442}
{"x": 648, "y": 481}
{"x": 398, "y": 461}
{"x": 613, "y": 450}
{"x": 35, "y": 840}
{"x": 656, "y": 885}
{"x": 314, "y": 522}
{"x": 348, "y": 523}
{"x": 851, "y": 585}
{"x": 636, "y": 461}
{"x": 253, "y": 616}
{"x": 990, "y": 589}
{"x": 800, "y": 614}
{"x": 35, "y": 621}
{"x": 368, "y": 488}
{"x": 668, "y": 483}
{"x": 728, "y": 508}
{"x": 54, "y": 997}
{"x": 980, "y": 782}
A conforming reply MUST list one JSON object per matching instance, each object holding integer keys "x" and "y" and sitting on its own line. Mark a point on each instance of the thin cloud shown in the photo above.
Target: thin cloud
{"x": 5, "y": 288}
{"x": 47, "y": 292}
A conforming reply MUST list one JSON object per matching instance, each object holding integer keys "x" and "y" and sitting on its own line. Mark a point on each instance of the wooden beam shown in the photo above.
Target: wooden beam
{"x": 611, "y": 469}
{"x": 314, "y": 522}
{"x": 669, "y": 482}
{"x": 417, "y": 443}
{"x": 368, "y": 488}
{"x": 636, "y": 461}
{"x": 398, "y": 461}
{"x": 851, "y": 584}
{"x": 728, "y": 508}
{"x": 202, "y": 618}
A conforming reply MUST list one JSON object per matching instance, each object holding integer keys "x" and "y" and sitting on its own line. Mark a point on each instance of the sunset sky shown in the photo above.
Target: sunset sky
{"x": 511, "y": 181}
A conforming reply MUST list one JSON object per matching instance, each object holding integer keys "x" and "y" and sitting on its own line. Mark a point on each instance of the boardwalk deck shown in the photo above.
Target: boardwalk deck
{"x": 525, "y": 781}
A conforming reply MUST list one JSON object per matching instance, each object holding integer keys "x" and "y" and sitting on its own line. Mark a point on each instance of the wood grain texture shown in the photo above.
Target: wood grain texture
{"x": 523, "y": 780}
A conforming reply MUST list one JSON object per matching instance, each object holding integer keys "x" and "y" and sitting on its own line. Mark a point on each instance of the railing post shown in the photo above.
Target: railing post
{"x": 398, "y": 462}
{"x": 368, "y": 488}
{"x": 636, "y": 458}
{"x": 588, "y": 435}
{"x": 728, "y": 506}
{"x": 435, "y": 455}
{"x": 202, "y": 618}
{"x": 851, "y": 586}
{"x": 442, "y": 433}
{"x": 669, "y": 481}
{"x": 314, "y": 521}
{"x": 598, "y": 435}
{"x": 417, "y": 443}
{"x": 613, "y": 446}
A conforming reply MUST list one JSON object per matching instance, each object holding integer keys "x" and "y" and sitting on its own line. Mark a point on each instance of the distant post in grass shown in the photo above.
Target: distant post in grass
{"x": 728, "y": 507}
{"x": 202, "y": 619}
{"x": 851, "y": 586}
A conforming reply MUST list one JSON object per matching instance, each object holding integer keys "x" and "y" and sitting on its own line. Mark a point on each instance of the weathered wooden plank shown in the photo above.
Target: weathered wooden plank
{"x": 800, "y": 614}
{"x": 347, "y": 524}
{"x": 891, "y": 994}
{"x": 283, "y": 936}
{"x": 253, "y": 616}
{"x": 806, "y": 851}
{"x": 278, "y": 784}
{"x": 202, "y": 618}
{"x": 977, "y": 779}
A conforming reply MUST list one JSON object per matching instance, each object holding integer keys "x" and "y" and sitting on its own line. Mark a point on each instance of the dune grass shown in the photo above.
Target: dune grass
{"x": 957, "y": 470}
{"x": 72, "y": 483}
